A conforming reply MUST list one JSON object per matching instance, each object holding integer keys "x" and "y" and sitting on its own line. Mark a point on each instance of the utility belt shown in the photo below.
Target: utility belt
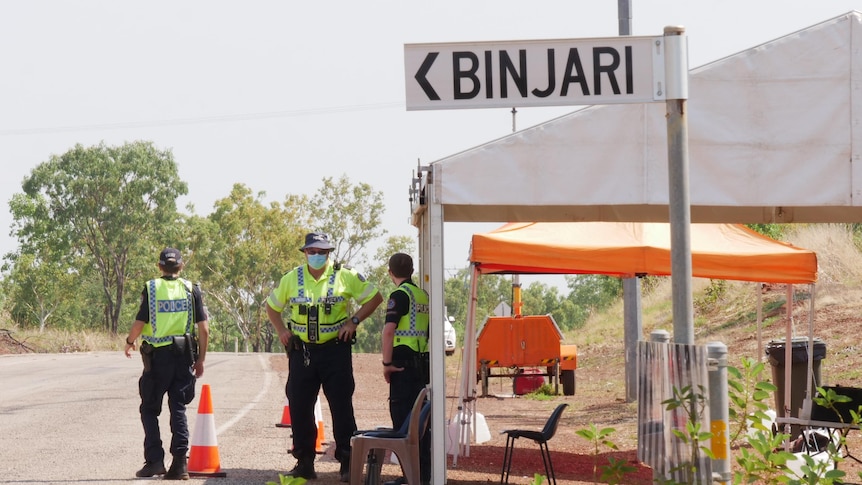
{"x": 315, "y": 346}
{"x": 296, "y": 343}
{"x": 415, "y": 361}
{"x": 185, "y": 345}
{"x": 313, "y": 331}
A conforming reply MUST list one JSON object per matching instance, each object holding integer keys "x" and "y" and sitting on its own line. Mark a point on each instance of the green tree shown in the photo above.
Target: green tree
{"x": 456, "y": 295}
{"x": 775, "y": 231}
{"x": 40, "y": 289}
{"x": 351, "y": 215}
{"x": 538, "y": 299}
{"x": 542, "y": 299}
{"x": 569, "y": 315}
{"x": 103, "y": 205}
{"x": 246, "y": 245}
{"x": 200, "y": 237}
{"x": 491, "y": 290}
{"x": 594, "y": 292}
{"x": 254, "y": 244}
{"x": 368, "y": 336}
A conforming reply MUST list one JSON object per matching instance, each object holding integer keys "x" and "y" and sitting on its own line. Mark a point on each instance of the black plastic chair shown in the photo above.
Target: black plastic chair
{"x": 540, "y": 437}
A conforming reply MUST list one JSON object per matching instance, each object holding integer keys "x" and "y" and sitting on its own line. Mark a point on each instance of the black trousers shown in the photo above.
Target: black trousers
{"x": 329, "y": 366}
{"x": 404, "y": 386}
{"x": 169, "y": 374}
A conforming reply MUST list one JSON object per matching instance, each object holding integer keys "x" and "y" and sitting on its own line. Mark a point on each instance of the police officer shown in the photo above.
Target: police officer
{"x": 318, "y": 340}
{"x": 406, "y": 364}
{"x": 169, "y": 307}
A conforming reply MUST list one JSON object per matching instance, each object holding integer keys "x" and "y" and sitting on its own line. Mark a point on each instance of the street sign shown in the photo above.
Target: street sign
{"x": 502, "y": 309}
{"x": 512, "y": 74}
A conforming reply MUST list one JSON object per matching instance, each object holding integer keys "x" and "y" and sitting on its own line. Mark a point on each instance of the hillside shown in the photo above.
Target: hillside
{"x": 727, "y": 313}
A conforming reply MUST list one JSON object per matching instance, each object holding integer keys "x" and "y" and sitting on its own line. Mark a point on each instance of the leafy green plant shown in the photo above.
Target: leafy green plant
{"x": 748, "y": 398}
{"x": 542, "y": 393}
{"x": 767, "y": 462}
{"x": 615, "y": 470}
{"x": 764, "y": 461}
{"x": 693, "y": 405}
{"x": 711, "y": 295}
{"x": 819, "y": 472}
{"x": 829, "y": 398}
{"x": 287, "y": 480}
{"x": 538, "y": 479}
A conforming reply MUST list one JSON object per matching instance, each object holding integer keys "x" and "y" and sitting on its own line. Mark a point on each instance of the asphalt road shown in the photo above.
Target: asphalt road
{"x": 73, "y": 419}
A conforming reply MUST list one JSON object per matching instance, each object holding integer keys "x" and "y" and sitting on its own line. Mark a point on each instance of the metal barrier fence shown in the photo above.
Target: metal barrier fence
{"x": 661, "y": 369}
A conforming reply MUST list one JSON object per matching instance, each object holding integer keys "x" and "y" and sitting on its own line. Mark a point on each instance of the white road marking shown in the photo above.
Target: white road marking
{"x": 248, "y": 407}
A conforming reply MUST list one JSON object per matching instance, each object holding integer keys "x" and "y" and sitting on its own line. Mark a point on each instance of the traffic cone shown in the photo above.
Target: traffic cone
{"x": 203, "y": 457}
{"x": 318, "y": 415}
{"x": 285, "y": 415}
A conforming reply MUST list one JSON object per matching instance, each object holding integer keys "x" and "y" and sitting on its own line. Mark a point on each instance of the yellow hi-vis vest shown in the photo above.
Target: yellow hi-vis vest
{"x": 412, "y": 329}
{"x": 328, "y": 323}
{"x": 171, "y": 310}
{"x": 329, "y": 296}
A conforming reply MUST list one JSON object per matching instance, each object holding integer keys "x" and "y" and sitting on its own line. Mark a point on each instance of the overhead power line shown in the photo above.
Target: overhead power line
{"x": 203, "y": 119}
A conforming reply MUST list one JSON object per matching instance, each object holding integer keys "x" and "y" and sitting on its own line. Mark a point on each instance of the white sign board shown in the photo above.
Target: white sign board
{"x": 502, "y": 309}
{"x": 534, "y": 73}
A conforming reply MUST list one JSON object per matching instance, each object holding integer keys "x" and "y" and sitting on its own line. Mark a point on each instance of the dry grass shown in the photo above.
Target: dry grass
{"x": 839, "y": 260}
{"x": 16, "y": 340}
{"x": 732, "y": 319}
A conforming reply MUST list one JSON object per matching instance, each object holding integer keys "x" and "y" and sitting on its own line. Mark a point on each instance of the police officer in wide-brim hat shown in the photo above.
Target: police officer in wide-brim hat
{"x": 318, "y": 337}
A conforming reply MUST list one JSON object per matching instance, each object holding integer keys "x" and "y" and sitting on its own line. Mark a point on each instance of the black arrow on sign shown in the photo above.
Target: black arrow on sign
{"x": 422, "y": 72}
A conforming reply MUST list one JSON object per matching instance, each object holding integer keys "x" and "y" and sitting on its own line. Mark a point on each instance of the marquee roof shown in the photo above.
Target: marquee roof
{"x": 719, "y": 251}
{"x": 775, "y": 135}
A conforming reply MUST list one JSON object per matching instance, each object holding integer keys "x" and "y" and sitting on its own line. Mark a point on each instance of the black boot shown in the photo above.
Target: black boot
{"x": 344, "y": 469}
{"x": 304, "y": 468}
{"x": 179, "y": 469}
{"x": 150, "y": 469}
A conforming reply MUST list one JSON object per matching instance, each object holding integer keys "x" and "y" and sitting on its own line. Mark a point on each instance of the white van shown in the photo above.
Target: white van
{"x": 450, "y": 338}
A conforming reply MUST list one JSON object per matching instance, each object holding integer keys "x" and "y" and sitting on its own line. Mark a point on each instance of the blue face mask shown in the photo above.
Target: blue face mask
{"x": 317, "y": 261}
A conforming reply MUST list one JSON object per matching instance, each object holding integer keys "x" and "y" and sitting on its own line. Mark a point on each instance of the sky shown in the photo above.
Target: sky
{"x": 277, "y": 95}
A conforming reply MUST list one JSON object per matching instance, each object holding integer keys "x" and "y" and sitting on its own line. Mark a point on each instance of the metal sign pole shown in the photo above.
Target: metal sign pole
{"x": 676, "y": 79}
{"x": 632, "y": 322}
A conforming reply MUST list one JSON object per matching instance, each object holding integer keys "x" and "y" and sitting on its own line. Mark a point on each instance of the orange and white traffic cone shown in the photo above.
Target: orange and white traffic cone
{"x": 318, "y": 415}
{"x": 285, "y": 415}
{"x": 203, "y": 457}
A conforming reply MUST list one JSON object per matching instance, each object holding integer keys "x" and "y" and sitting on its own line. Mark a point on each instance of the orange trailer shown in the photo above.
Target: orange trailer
{"x": 516, "y": 342}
